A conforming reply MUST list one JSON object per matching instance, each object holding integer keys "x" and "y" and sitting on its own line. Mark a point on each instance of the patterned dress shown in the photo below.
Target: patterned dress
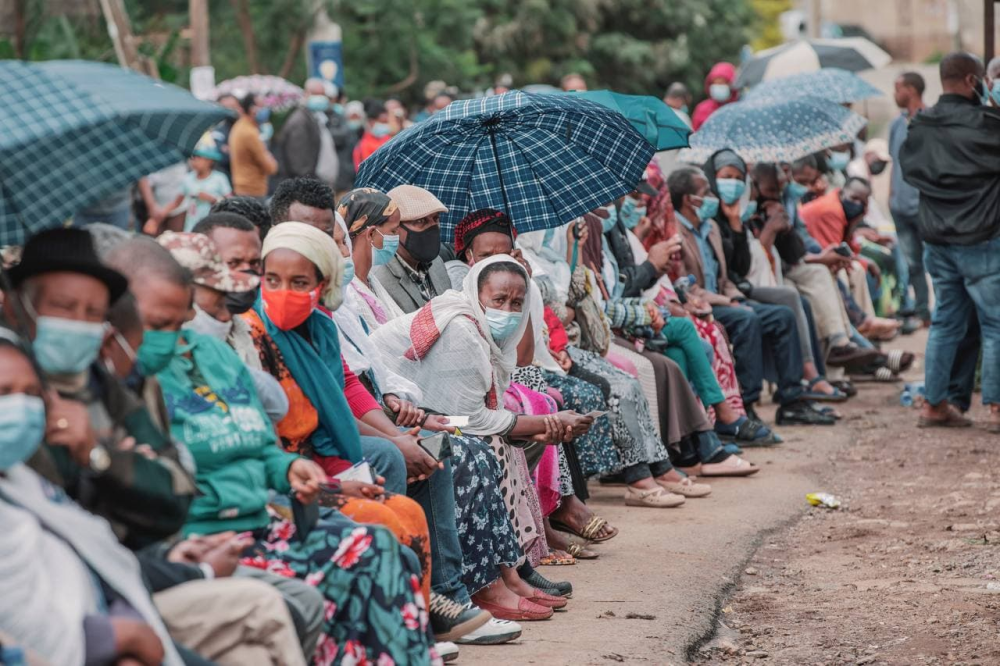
{"x": 374, "y": 611}
{"x": 595, "y": 450}
{"x": 632, "y": 428}
{"x": 485, "y": 531}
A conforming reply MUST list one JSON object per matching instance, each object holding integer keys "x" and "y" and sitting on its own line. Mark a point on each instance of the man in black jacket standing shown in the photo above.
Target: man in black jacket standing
{"x": 952, "y": 155}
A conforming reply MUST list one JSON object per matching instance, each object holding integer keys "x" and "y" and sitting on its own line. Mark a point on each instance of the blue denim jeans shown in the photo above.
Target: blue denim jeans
{"x": 757, "y": 328}
{"x": 913, "y": 251}
{"x": 436, "y": 496}
{"x": 966, "y": 278}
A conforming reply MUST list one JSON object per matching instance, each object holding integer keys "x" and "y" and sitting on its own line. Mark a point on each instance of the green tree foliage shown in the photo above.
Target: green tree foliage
{"x": 768, "y": 13}
{"x": 397, "y": 46}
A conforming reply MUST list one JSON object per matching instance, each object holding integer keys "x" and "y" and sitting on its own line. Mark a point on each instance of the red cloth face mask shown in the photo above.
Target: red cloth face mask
{"x": 287, "y": 309}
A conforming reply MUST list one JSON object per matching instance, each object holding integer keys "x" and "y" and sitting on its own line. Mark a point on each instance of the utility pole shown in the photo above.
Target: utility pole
{"x": 198, "y": 15}
{"x": 814, "y": 18}
{"x": 120, "y": 32}
{"x": 990, "y": 27}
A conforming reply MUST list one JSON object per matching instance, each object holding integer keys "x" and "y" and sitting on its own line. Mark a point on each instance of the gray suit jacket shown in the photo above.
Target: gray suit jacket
{"x": 397, "y": 282}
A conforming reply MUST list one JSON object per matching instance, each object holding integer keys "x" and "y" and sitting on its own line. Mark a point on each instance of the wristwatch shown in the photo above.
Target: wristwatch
{"x": 100, "y": 459}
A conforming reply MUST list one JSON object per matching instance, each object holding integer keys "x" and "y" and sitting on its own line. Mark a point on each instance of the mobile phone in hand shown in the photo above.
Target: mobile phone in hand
{"x": 361, "y": 471}
{"x": 437, "y": 446}
{"x": 305, "y": 517}
{"x": 844, "y": 250}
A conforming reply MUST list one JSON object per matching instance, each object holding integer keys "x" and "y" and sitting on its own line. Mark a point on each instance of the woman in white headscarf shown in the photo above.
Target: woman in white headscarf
{"x": 464, "y": 345}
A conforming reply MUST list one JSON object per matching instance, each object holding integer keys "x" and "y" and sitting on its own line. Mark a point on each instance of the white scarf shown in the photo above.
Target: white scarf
{"x": 446, "y": 347}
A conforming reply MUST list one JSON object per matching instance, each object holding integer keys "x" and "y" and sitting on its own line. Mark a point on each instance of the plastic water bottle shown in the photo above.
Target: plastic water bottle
{"x": 913, "y": 394}
{"x": 906, "y": 397}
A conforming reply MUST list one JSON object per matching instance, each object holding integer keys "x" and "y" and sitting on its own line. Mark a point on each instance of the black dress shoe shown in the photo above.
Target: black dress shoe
{"x": 802, "y": 413}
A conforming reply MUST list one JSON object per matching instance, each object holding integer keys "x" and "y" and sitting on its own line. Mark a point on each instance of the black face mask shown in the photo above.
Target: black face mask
{"x": 239, "y": 302}
{"x": 424, "y": 246}
{"x": 878, "y": 166}
{"x": 852, "y": 209}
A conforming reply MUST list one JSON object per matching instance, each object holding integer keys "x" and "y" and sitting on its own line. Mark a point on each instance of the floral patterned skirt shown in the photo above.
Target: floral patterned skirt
{"x": 400, "y": 515}
{"x": 374, "y": 611}
{"x": 485, "y": 531}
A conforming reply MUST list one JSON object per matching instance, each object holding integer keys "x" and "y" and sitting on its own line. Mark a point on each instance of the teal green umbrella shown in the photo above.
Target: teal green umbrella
{"x": 653, "y": 119}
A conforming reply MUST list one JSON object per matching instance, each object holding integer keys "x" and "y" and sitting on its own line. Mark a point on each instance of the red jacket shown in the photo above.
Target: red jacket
{"x": 709, "y": 106}
{"x": 368, "y": 144}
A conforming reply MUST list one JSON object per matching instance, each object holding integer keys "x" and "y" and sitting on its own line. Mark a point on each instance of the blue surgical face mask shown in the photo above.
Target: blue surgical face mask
{"x": 317, "y": 103}
{"x": 612, "y": 219}
{"x": 65, "y": 346}
{"x": 348, "y": 272}
{"x": 263, "y": 115}
{"x": 995, "y": 92}
{"x": 684, "y": 108}
{"x": 338, "y": 109}
{"x": 750, "y": 211}
{"x": 503, "y": 324}
{"x": 355, "y": 124}
{"x": 631, "y": 213}
{"x": 797, "y": 190}
{"x": 708, "y": 208}
{"x": 838, "y": 159}
{"x": 380, "y": 130}
{"x": 22, "y": 426}
{"x": 720, "y": 92}
{"x": 383, "y": 255}
{"x": 730, "y": 189}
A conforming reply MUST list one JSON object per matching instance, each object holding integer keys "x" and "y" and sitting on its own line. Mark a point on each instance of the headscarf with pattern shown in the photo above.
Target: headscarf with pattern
{"x": 365, "y": 207}
{"x": 478, "y": 222}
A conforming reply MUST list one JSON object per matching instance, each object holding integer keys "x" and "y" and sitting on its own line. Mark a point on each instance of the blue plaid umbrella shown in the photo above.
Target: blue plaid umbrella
{"x": 774, "y": 131}
{"x": 72, "y": 132}
{"x": 831, "y": 83}
{"x": 543, "y": 159}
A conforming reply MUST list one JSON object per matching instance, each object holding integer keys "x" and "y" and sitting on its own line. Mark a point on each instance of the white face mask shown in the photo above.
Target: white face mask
{"x": 206, "y": 324}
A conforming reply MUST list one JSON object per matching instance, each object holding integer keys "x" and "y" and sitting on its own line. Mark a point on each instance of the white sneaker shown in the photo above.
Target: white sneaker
{"x": 493, "y": 632}
{"x": 447, "y": 651}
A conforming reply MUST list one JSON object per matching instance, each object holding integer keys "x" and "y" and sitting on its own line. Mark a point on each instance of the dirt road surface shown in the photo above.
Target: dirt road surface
{"x": 906, "y": 572}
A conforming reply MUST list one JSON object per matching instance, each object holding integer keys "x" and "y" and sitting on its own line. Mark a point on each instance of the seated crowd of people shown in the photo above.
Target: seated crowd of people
{"x": 314, "y": 433}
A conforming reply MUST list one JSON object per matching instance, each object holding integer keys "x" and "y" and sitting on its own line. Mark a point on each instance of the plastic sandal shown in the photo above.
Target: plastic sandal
{"x": 590, "y": 531}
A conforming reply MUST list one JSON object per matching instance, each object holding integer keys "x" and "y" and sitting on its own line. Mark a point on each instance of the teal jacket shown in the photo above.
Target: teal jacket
{"x": 214, "y": 409}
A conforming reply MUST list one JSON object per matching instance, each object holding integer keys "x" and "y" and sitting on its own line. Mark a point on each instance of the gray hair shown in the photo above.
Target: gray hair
{"x": 107, "y": 237}
{"x": 142, "y": 257}
{"x": 993, "y": 68}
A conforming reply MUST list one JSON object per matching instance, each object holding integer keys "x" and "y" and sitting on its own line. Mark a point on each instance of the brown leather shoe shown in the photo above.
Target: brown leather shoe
{"x": 943, "y": 415}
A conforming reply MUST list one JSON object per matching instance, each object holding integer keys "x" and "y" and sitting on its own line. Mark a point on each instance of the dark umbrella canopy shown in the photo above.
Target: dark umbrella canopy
{"x": 543, "y": 159}
{"x": 72, "y": 132}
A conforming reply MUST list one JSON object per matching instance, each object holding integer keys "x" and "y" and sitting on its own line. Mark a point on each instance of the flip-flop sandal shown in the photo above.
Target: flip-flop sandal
{"x": 732, "y": 449}
{"x": 881, "y": 375}
{"x": 554, "y": 559}
{"x": 819, "y": 396}
{"x": 898, "y": 360}
{"x": 580, "y": 551}
{"x": 590, "y": 531}
{"x": 739, "y": 467}
{"x": 846, "y": 387}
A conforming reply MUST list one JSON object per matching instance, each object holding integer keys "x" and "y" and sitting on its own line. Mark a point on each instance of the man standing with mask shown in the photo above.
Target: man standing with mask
{"x": 952, "y": 156}
{"x": 305, "y": 145}
{"x": 904, "y": 199}
{"x": 416, "y": 274}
